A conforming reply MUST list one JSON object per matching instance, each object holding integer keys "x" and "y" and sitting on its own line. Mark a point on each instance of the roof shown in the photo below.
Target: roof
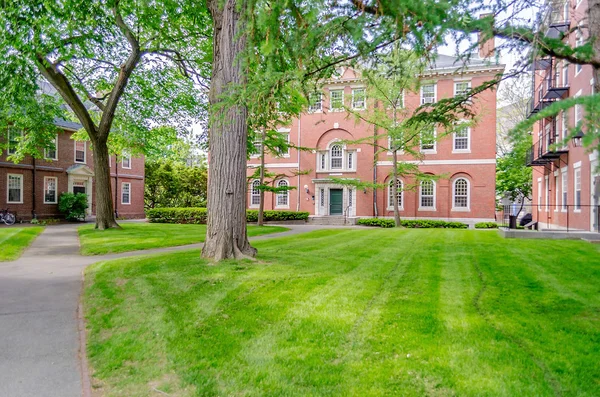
{"x": 48, "y": 89}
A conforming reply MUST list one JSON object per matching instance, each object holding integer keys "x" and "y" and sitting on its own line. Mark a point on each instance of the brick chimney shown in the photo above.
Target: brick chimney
{"x": 486, "y": 47}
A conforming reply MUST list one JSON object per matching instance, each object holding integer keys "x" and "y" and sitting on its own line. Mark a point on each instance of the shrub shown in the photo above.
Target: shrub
{"x": 486, "y": 225}
{"x": 413, "y": 224}
{"x": 198, "y": 215}
{"x": 73, "y": 206}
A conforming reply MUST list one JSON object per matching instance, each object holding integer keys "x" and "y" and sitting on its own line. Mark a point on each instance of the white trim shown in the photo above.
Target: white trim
{"x": 442, "y": 162}
{"x": 287, "y": 194}
{"x": 460, "y": 82}
{"x": 564, "y": 183}
{"x": 556, "y": 191}
{"x": 390, "y": 205}
{"x": 8, "y": 188}
{"x": 129, "y": 187}
{"x": 331, "y": 108}
{"x": 123, "y": 156}
{"x": 468, "y": 149}
{"x": 546, "y": 193}
{"x": 468, "y": 207}
{"x": 55, "y": 190}
{"x": 20, "y": 132}
{"x": 365, "y": 98}
{"x": 55, "y": 158}
{"x": 84, "y": 152}
{"x": 421, "y": 102}
{"x": 577, "y": 164}
{"x": 250, "y": 204}
{"x": 575, "y": 172}
{"x": 320, "y": 109}
{"x": 432, "y": 208}
{"x": 428, "y": 151}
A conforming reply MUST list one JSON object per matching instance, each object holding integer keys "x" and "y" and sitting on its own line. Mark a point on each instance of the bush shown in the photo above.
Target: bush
{"x": 413, "y": 224}
{"x": 198, "y": 215}
{"x": 486, "y": 225}
{"x": 73, "y": 206}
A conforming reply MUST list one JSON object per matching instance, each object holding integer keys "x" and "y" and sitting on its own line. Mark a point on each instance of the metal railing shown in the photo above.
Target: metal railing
{"x": 570, "y": 217}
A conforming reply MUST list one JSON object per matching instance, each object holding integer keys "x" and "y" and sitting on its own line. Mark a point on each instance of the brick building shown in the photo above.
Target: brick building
{"x": 566, "y": 183}
{"x": 32, "y": 187}
{"x": 467, "y": 158}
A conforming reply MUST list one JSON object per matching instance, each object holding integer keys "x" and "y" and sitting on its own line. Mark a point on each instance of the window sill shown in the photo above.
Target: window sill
{"x": 428, "y": 151}
{"x": 334, "y": 171}
{"x": 282, "y": 207}
{"x": 392, "y": 208}
{"x": 314, "y": 111}
{"x": 54, "y": 203}
{"x": 458, "y": 209}
{"x": 14, "y": 202}
{"x": 80, "y": 162}
{"x": 427, "y": 209}
{"x": 460, "y": 151}
{"x": 257, "y": 206}
{"x": 577, "y": 211}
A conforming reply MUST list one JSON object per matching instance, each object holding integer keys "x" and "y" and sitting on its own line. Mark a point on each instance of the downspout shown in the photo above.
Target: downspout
{"x": 117, "y": 187}
{"x": 33, "y": 195}
{"x": 375, "y": 211}
{"x": 298, "y": 176}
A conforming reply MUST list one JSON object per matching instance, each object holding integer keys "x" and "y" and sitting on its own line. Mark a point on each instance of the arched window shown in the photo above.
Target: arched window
{"x": 283, "y": 196}
{"x": 427, "y": 194}
{"x": 460, "y": 193}
{"x": 336, "y": 154}
{"x": 255, "y": 193}
{"x": 391, "y": 193}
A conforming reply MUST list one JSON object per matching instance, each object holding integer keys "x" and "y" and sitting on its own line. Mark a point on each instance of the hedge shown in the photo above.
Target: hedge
{"x": 198, "y": 215}
{"x": 412, "y": 224}
{"x": 486, "y": 225}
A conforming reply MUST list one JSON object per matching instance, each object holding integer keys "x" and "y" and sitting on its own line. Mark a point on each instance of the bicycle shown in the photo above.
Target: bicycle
{"x": 7, "y": 217}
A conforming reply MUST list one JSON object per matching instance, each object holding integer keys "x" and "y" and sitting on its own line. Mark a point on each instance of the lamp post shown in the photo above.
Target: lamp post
{"x": 578, "y": 138}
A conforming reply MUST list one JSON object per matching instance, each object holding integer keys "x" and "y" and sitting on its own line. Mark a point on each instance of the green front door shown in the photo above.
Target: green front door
{"x": 336, "y": 206}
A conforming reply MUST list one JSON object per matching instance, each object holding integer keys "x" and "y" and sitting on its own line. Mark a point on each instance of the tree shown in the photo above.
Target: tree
{"x": 119, "y": 67}
{"x": 170, "y": 183}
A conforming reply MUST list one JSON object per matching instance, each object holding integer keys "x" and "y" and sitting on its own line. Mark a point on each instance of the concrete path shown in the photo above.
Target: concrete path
{"x": 39, "y": 297}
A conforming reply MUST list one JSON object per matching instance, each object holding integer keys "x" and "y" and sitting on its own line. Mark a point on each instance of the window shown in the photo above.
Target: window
{"x": 556, "y": 194}
{"x": 15, "y": 189}
{"x": 462, "y": 88}
{"x": 350, "y": 156}
{"x": 286, "y": 151}
{"x": 315, "y": 102}
{"x": 126, "y": 162}
{"x": 283, "y": 196}
{"x": 257, "y": 148}
{"x": 359, "y": 98}
{"x": 460, "y": 194}
{"x": 428, "y": 94}
{"x": 80, "y": 151}
{"x": 577, "y": 189}
{"x": 578, "y": 43}
{"x": 50, "y": 190}
{"x": 323, "y": 162}
{"x": 565, "y": 130}
{"x": 336, "y": 153}
{"x": 461, "y": 139}
{"x": 539, "y": 194}
{"x": 255, "y": 193}
{"x": 126, "y": 193}
{"x": 322, "y": 197}
{"x": 427, "y": 194}
{"x": 547, "y": 193}
{"x": 565, "y": 187}
{"x": 566, "y": 11}
{"x": 399, "y": 194}
{"x": 350, "y": 202}
{"x": 14, "y": 137}
{"x": 428, "y": 139}
{"x": 578, "y": 114}
{"x": 565, "y": 74}
{"x": 336, "y": 100}
{"x": 51, "y": 152}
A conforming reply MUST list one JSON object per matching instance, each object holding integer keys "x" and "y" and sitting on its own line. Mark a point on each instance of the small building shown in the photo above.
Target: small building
{"x": 32, "y": 187}
{"x": 566, "y": 181}
{"x": 466, "y": 159}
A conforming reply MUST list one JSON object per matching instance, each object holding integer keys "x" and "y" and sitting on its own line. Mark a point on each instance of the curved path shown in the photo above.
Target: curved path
{"x": 39, "y": 299}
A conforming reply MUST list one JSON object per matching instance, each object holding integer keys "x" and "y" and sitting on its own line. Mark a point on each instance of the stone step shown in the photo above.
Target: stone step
{"x": 332, "y": 220}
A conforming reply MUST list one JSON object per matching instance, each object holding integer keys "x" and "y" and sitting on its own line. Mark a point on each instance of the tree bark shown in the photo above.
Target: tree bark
{"x": 226, "y": 235}
{"x": 105, "y": 215}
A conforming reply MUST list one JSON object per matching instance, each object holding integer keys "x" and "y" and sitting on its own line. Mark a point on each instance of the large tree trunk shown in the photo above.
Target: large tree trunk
{"x": 226, "y": 235}
{"x": 105, "y": 215}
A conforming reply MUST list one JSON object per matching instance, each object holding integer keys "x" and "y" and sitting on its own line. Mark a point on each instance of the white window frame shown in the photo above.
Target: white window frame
{"x": 421, "y": 207}
{"x": 47, "y": 178}
{"x": 565, "y": 73}
{"x": 468, "y": 137}
{"x": 390, "y": 204}
{"x": 556, "y": 191}
{"x": 434, "y": 93}
{"x": 12, "y": 130}
{"x": 84, "y": 152}
{"x": 20, "y": 176}
{"x": 432, "y": 150}
{"x": 539, "y": 193}
{"x": 285, "y": 154}
{"x": 564, "y": 189}
{"x": 128, "y": 192}
{"x": 578, "y": 42}
{"x": 546, "y": 193}
{"x": 285, "y": 195}
{"x": 577, "y": 188}
{"x": 254, "y": 195}
{"x": 312, "y": 107}
{"x": 364, "y": 102}
{"x": 340, "y": 157}
{"x": 468, "y": 195}
{"x": 467, "y": 82}
{"x": 127, "y": 156}
{"x": 46, "y": 156}
{"x": 331, "y": 107}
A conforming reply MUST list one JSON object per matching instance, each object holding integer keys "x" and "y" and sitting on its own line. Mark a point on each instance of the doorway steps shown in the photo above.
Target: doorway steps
{"x": 333, "y": 220}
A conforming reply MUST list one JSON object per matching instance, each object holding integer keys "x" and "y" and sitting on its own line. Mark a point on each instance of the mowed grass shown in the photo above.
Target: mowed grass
{"x": 143, "y": 236}
{"x": 352, "y": 313}
{"x": 14, "y": 240}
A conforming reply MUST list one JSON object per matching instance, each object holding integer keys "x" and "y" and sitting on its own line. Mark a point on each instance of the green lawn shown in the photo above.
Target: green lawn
{"x": 143, "y": 236}
{"x": 351, "y": 312}
{"x": 14, "y": 240}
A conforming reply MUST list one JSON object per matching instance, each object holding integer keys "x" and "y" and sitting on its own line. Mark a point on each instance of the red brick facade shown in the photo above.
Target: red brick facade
{"x": 474, "y": 164}
{"x": 67, "y": 175}
{"x": 566, "y": 183}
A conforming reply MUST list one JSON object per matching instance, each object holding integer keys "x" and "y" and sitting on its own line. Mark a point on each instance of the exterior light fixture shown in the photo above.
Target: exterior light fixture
{"x": 578, "y": 138}
{"x": 306, "y": 189}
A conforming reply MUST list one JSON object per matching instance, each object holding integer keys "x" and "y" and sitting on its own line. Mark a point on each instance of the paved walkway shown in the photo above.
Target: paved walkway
{"x": 39, "y": 297}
